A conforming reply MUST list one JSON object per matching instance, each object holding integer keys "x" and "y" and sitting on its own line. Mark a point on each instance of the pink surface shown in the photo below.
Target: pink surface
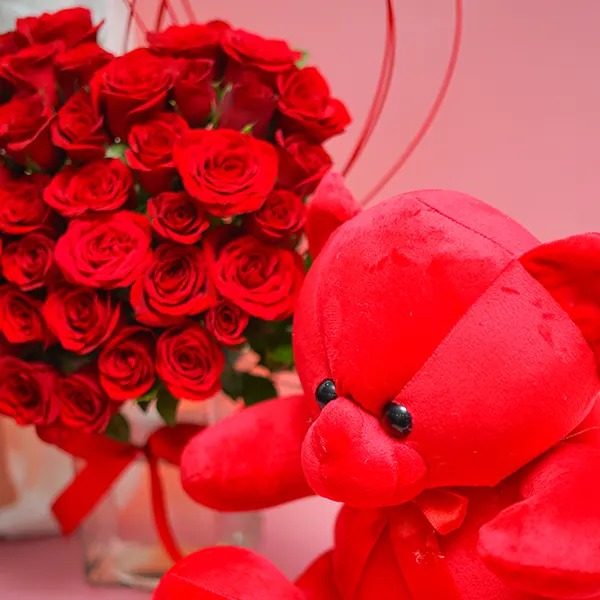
{"x": 52, "y": 568}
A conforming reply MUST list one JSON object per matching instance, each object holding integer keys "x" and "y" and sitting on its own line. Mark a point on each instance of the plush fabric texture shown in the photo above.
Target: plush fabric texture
{"x": 331, "y": 207}
{"x": 439, "y": 303}
{"x": 271, "y": 432}
{"x": 249, "y": 577}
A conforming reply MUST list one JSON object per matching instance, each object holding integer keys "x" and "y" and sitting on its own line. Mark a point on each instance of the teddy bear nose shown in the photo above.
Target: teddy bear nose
{"x": 331, "y": 443}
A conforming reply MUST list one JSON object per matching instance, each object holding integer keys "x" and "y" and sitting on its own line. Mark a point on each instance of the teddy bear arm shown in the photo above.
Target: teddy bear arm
{"x": 226, "y": 573}
{"x": 250, "y": 460}
{"x": 548, "y": 543}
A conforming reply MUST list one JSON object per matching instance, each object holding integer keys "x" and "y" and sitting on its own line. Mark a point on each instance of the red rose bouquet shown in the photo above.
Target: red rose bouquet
{"x": 151, "y": 207}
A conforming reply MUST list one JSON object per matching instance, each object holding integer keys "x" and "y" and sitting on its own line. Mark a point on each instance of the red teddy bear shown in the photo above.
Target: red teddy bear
{"x": 450, "y": 367}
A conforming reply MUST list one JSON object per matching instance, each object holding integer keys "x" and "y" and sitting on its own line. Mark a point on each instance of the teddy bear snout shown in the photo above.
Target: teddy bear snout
{"x": 349, "y": 457}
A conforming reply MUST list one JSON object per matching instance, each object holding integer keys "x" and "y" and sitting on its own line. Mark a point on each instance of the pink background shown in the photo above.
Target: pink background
{"x": 519, "y": 129}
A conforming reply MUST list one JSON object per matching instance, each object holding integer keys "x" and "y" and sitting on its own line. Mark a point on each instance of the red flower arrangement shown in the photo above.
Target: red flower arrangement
{"x": 151, "y": 207}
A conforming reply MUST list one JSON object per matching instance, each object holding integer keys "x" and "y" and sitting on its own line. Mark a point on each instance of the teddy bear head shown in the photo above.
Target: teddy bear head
{"x": 439, "y": 343}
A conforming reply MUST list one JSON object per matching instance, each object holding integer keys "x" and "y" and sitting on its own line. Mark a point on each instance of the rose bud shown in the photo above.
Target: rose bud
{"x": 227, "y": 323}
{"x": 228, "y": 172}
{"x": 281, "y": 219}
{"x": 84, "y": 404}
{"x": 248, "y": 104}
{"x": 189, "y": 362}
{"x": 27, "y": 392}
{"x": 194, "y": 93}
{"x": 126, "y": 364}
{"x": 175, "y": 285}
{"x": 177, "y": 217}
{"x": 307, "y": 106}
{"x": 150, "y": 151}
{"x": 21, "y": 320}
{"x": 80, "y": 318}
{"x": 29, "y": 261}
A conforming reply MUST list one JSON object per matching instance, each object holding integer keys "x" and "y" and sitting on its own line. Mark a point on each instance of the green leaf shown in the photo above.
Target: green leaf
{"x": 301, "y": 63}
{"x": 31, "y": 166}
{"x": 248, "y": 128}
{"x": 150, "y": 395}
{"x": 308, "y": 261}
{"x": 282, "y": 354}
{"x": 117, "y": 151}
{"x": 118, "y": 428}
{"x": 166, "y": 405}
{"x": 144, "y": 405}
{"x": 215, "y": 221}
{"x": 142, "y": 199}
{"x": 224, "y": 91}
{"x": 257, "y": 389}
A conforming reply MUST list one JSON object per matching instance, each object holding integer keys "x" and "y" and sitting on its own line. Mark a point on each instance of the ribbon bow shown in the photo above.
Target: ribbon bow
{"x": 106, "y": 459}
{"x": 414, "y": 528}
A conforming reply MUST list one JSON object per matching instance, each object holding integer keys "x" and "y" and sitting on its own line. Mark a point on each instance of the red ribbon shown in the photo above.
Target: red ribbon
{"x": 106, "y": 459}
{"x": 414, "y": 528}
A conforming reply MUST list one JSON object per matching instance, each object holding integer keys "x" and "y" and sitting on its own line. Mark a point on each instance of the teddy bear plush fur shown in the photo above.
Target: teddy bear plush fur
{"x": 450, "y": 368}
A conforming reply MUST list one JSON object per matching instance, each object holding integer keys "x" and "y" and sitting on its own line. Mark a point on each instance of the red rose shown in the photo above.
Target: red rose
{"x": 80, "y": 318}
{"x": 71, "y": 26}
{"x": 10, "y": 43}
{"x": 25, "y": 132}
{"x": 194, "y": 93}
{"x": 84, "y": 405}
{"x": 263, "y": 280}
{"x": 21, "y": 319}
{"x": 302, "y": 163}
{"x": 197, "y": 40}
{"x": 151, "y": 151}
{"x": 28, "y": 262}
{"x": 227, "y": 323}
{"x": 102, "y": 185}
{"x": 27, "y": 392}
{"x": 230, "y": 173}
{"x": 251, "y": 103}
{"x": 175, "y": 285}
{"x": 105, "y": 251}
{"x": 189, "y": 362}
{"x": 22, "y": 209}
{"x": 177, "y": 217}
{"x": 55, "y": 194}
{"x": 126, "y": 364}
{"x": 247, "y": 50}
{"x": 133, "y": 87}
{"x": 31, "y": 71}
{"x": 307, "y": 106}
{"x": 79, "y": 129}
{"x": 281, "y": 218}
{"x": 76, "y": 67}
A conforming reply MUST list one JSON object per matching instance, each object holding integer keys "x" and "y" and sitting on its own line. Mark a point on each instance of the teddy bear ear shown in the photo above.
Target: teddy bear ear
{"x": 570, "y": 270}
{"x": 331, "y": 206}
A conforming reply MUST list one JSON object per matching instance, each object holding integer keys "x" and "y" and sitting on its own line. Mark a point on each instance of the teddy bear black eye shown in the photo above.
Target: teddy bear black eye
{"x": 326, "y": 393}
{"x": 397, "y": 419}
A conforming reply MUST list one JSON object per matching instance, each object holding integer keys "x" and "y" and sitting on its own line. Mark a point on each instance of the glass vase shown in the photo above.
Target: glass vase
{"x": 121, "y": 544}
{"x": 32, "y": 474}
